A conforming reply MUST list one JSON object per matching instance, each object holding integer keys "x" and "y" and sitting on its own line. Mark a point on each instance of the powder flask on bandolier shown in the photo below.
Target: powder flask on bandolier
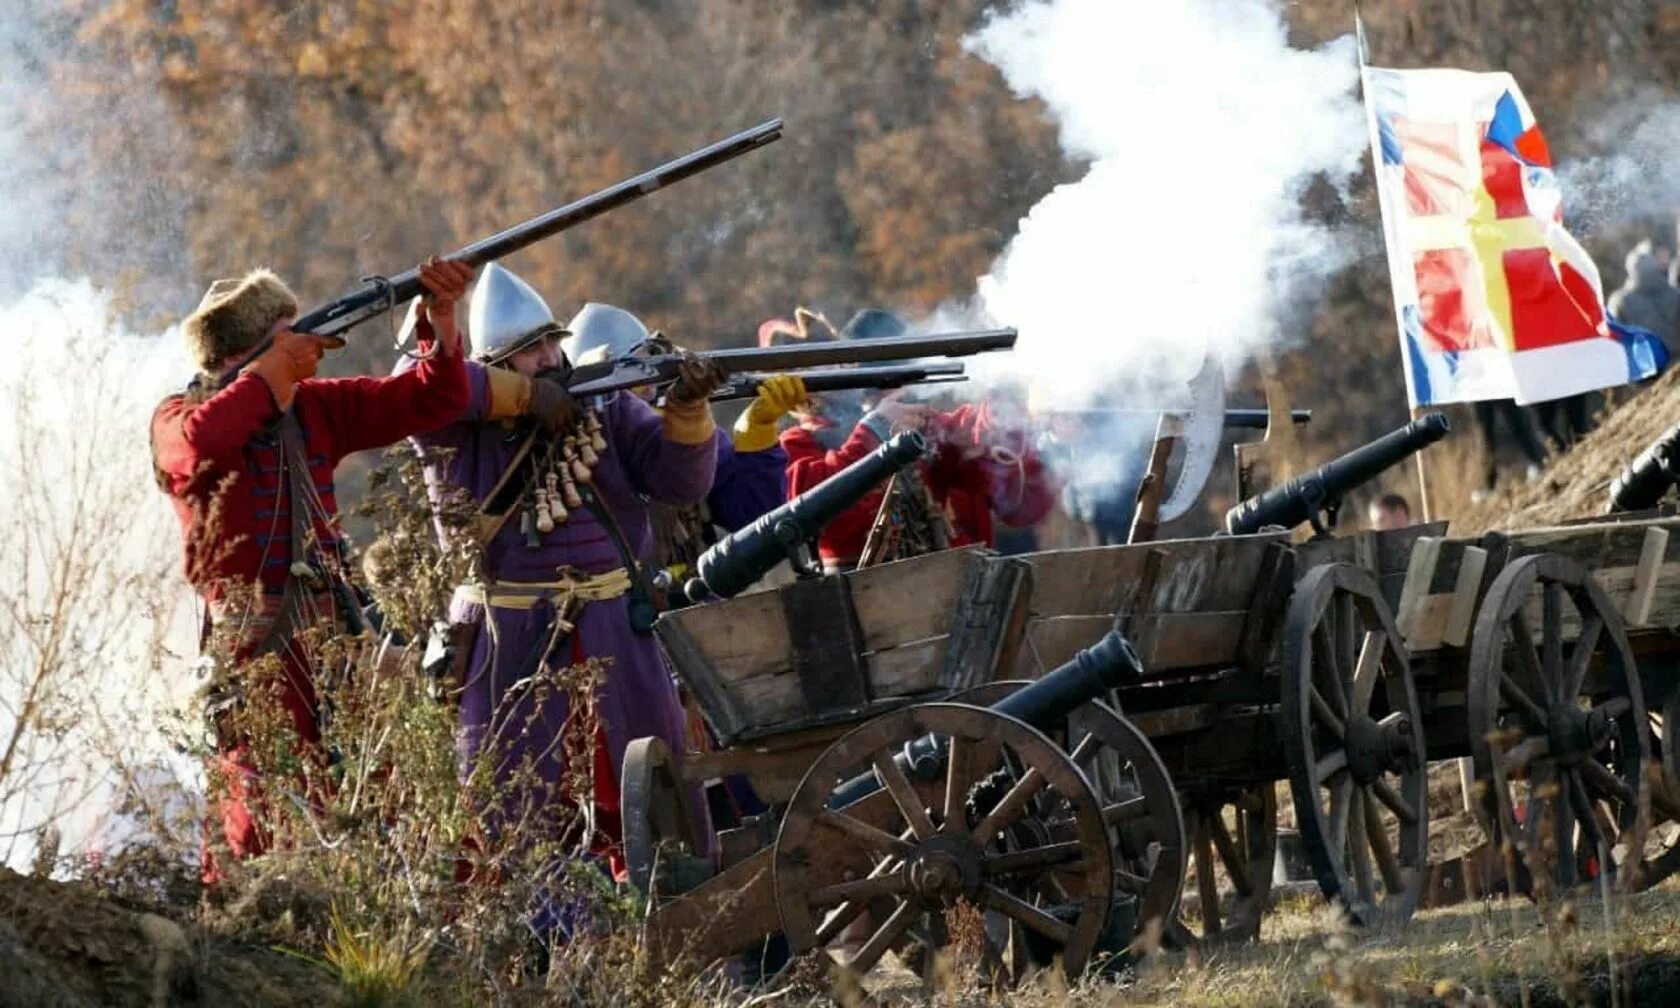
{"x": 556, "y": 472}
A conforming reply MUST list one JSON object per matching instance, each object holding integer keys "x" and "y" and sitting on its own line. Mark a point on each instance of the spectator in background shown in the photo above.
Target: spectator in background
{"x": 1489, "y": 412}
{"x": 1389, "y": 512}
{"x": 1646, "y": 298}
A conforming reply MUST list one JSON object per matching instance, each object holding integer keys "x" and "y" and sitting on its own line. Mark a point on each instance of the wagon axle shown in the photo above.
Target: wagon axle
{"x": 1376, "y": 747}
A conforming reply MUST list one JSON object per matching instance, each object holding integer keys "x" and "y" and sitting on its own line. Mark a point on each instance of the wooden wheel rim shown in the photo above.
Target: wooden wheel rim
{"x": 924, "y": 846}
{"x": 1520, "y": 691}
{"x": 656, "y": 810}
{"x": 1148, "y": 826}
{"x": 1151, "y": 819}
{"x": 1340, "y": 643}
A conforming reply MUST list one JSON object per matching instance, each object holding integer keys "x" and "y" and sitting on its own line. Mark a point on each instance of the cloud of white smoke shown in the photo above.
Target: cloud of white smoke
{"x": 99, "y": 632}
{"x": 1203, "y": 126}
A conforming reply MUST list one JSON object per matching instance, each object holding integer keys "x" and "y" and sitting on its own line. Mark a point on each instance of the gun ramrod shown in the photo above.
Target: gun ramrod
{"x": 1647, "y": 478}
{"x": 1304, "y": 498}
{"x": 744, "y": 556}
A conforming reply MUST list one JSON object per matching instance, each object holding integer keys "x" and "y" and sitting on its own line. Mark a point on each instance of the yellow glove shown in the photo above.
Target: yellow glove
{"x": 755, "y": 431}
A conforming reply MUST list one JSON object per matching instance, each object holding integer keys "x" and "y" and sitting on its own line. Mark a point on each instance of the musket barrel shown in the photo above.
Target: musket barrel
{"x": 1647, "y": 478}
{"x": 358, "y": 306}
{"x": 744, "y": 556}
{"x": 1302, "y": 498}
{"x": 601, "y": 377}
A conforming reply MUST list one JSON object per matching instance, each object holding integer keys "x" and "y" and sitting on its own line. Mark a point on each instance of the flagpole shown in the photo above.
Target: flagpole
{"x": 1425, "y": 508}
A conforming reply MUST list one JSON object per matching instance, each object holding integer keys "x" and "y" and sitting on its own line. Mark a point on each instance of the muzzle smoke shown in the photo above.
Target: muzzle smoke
{"x": 1203, "y": 126}
{"x": 99, "y": 638}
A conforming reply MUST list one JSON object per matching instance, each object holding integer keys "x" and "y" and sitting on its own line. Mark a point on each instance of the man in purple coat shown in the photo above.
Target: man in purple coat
{"x": 751, "y": 476}
{"x": 554, "y": 586}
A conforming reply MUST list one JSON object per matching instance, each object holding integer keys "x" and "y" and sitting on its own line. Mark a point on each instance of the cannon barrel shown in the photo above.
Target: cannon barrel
{"x": 1088, "y": 675}
{"x": 1647, "y": 478}
{"x": 1302, "y": 498}
{"x": 744, "y": 556}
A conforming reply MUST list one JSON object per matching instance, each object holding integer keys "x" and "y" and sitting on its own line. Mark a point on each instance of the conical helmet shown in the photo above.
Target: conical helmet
{"x": 601, "y": 332}
{"x": 506, "y": 315}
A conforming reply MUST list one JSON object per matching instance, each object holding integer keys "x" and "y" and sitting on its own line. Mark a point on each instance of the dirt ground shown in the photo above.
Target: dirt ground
{"x": 70, "y": 946}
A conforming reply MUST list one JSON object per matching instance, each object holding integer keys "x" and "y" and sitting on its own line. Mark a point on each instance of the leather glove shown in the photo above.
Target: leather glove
{"x": 755, "y": 430}
{"x": 552, "y": 407}
{"x": 697, "y": 379}
{"x": 291, "y": 358}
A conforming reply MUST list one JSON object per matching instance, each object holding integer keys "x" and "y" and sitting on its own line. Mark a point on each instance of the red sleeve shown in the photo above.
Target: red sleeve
{"x": 366, "y": 412}
{"x": 1022, "y": 493}
{"x": 809, "y": 463}
{"x": 190, "y": 438}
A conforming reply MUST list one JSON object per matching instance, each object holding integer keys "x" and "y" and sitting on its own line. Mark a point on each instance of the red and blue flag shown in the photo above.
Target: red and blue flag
{"x": 1495, "y": 299}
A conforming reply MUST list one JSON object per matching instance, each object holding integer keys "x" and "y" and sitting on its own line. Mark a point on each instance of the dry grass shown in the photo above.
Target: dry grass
{"x": 1575, "y": 484}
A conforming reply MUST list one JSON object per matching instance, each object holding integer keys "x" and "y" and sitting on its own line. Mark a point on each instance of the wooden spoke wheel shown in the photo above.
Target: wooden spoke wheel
{"x": 913, "y": 864}
{"x": 1139, "y": 801}
{"x": 1233, "y": 832}
{"x": 1558, "y": 727}
{"x": 1353, "y": 739}
{"x": 658, "y": 819}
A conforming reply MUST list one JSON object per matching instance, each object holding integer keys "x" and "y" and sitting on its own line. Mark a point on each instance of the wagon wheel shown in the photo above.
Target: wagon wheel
{"x": 1559, "y": 731}
{"x": 1662, "y": 843}
{"x": 1139, "y": 802}
{"x": 656, "y": 815}
{"x": 1353, "y": 738}
{"x": 1244, "y": 846}
{"x": 945, "y": 848}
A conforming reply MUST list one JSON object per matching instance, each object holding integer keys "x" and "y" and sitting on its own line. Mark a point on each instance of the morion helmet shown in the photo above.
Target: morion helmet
{"x": 506, "y": 315}
{"x": 601, "y": 332}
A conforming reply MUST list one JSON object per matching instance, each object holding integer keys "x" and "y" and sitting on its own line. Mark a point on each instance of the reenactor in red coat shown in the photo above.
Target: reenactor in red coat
{"x": 247, "y": 455}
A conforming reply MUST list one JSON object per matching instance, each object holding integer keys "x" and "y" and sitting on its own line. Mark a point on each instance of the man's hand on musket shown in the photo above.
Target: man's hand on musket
{"x": 901, "y": 414}
{"x": 446, "y": 283}
{"x": 697, "y": 378}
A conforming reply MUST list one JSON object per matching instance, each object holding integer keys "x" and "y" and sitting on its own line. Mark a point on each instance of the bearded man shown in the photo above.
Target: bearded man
{"x": 559, "y": 546}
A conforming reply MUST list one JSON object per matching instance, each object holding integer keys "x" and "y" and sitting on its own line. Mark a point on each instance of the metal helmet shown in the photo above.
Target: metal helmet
{"x": 601, "y": 332}
{"x": 872, "y": 324}
{"x": 506, "y": 315}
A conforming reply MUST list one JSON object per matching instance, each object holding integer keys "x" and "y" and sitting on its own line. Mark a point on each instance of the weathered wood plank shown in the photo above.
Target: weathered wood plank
{"x": 741, "y": 638}
{"x": 909, "y": 599}
{"x": 1164, "y": 641}
{"x": 1420, "y": 573}
{"x": 1637, "y": 609}
{"x": 1465, "y": 596}
{"x": 1196, "y": 575}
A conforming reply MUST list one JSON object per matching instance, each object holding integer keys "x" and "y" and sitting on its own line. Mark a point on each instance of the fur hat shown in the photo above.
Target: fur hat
{"x": 235, "y": 315}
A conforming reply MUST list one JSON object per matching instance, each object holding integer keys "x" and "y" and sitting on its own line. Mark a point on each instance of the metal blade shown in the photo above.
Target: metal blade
{"x": 1201, "y": 432}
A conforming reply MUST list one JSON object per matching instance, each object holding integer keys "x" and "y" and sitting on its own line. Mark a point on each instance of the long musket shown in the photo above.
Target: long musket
{"x": 379, "y": 294}
{"x": 601, "y": 377}
{"x": 842, "y": 379}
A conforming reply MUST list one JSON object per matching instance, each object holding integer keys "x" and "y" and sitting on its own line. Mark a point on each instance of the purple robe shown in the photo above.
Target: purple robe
{"x": 747, "y": 485}
{"x": 638, "y": 698}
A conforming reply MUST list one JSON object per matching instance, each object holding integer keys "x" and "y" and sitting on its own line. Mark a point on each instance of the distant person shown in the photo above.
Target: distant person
{"x": 1390, "y": 512}
{"x": 1489, "y": 413}
{"x": 1647, "y": 299}
{"x": 1565, "y": 421}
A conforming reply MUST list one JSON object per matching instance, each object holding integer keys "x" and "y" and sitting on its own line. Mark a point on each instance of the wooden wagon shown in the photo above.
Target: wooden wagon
{"x": 1343, "y": 666}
